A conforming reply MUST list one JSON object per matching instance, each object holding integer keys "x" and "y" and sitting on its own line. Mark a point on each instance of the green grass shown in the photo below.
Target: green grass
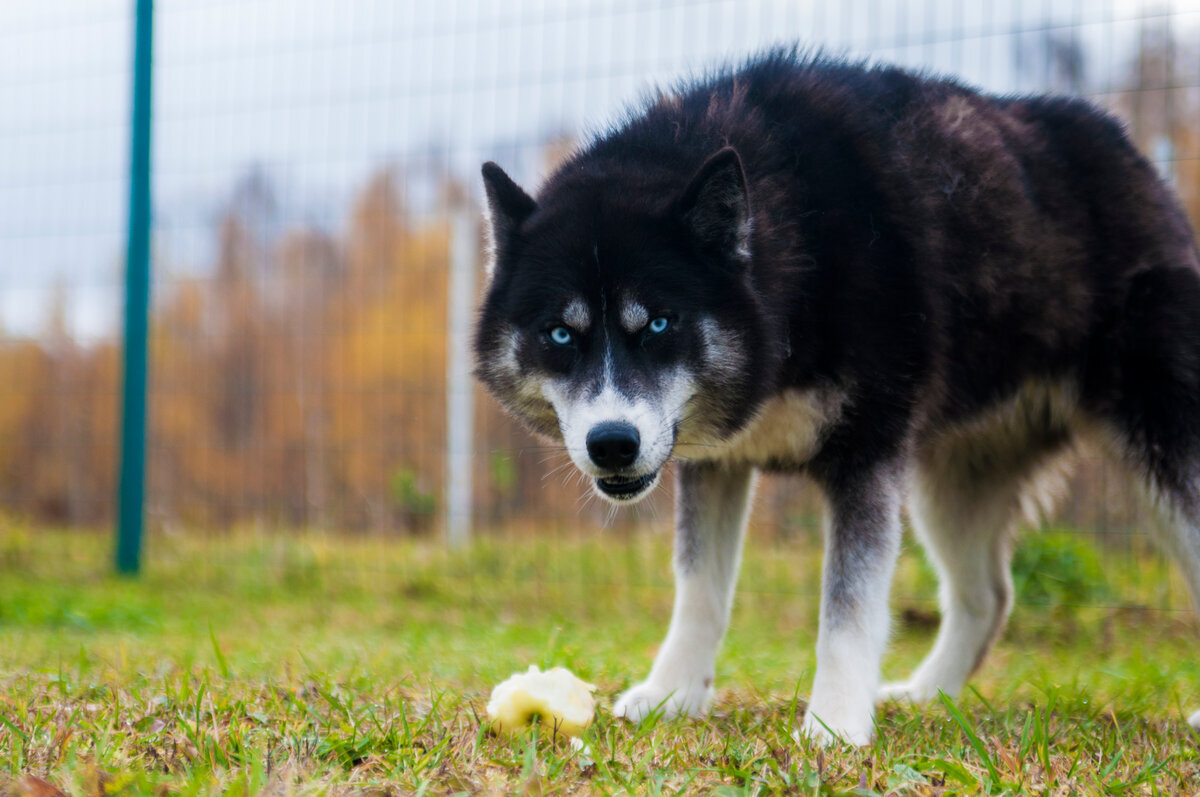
{"x": 316, "y": 664}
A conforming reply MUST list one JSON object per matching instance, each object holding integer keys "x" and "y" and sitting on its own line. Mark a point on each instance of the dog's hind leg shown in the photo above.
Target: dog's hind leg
{"x": 1166, "y": 467}
{"x": 1179, "y": 533}
{"x": 711, "y": 507}
{"x": 1174, "y": 495}
{"x": 969, "y": 544}
{"x": 1152, "y": 414}
{"x": 965, "y": 517}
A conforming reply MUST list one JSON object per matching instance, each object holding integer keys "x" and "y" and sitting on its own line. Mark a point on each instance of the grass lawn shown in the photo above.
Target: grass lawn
{"x": 313, "y": 664}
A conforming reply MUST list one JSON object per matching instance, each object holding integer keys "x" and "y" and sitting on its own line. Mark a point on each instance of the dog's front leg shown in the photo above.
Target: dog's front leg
{"x": 861, "y": 546}
{"x": 711, "y": 506}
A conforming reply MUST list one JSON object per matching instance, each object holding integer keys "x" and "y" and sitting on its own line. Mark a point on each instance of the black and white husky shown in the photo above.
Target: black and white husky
{"x": 916, "y": 294}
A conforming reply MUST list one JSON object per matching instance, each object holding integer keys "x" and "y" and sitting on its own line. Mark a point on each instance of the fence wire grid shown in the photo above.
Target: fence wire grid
{"x": 315, "y": 190}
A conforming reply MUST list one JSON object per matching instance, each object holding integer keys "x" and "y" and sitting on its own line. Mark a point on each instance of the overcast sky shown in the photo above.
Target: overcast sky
{"x": 320, "y": 93}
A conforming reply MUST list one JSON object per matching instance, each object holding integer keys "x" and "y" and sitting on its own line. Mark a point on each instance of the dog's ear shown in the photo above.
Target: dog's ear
{"x": 716, "y": 208}
{"x": 508, "y": 205}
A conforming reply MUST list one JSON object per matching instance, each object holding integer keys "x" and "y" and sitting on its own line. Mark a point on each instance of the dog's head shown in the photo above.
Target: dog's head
{"x": 620, "y": 317}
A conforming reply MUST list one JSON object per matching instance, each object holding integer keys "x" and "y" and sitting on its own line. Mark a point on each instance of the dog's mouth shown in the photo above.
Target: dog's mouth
{"x": 626, "y": 488}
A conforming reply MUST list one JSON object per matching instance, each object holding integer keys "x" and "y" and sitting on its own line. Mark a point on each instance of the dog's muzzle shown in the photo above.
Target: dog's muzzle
{"x": 614, "y": 446}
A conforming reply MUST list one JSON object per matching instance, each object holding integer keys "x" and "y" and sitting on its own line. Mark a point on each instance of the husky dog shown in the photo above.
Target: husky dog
{"x": 916, "y": 294}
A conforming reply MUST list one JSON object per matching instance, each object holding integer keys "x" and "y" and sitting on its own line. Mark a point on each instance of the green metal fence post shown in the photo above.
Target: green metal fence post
{"x": 130, "y": 501}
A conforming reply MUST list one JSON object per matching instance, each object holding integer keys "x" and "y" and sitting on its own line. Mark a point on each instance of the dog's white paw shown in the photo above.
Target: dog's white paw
{"x": 692, "y": 698}
{"x": 911, "y": 691}
{"x": 827, "y": 726}
{"x": 1194, "y": 720}
{"x": 826, "y": 733}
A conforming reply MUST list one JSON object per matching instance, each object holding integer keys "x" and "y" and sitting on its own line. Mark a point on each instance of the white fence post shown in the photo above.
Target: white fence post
{"x": 460, "y": 388}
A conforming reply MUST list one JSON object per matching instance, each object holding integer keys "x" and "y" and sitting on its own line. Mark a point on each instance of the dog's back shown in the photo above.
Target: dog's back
{"x": 975, "y": 243}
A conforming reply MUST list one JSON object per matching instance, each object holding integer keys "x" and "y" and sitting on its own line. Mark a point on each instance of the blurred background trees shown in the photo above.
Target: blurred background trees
{"x": 298, "y": 377}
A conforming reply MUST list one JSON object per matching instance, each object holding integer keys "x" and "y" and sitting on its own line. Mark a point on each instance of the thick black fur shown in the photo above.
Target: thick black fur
{"x": 905, "y": 288}
{"x": 924, "y": 246}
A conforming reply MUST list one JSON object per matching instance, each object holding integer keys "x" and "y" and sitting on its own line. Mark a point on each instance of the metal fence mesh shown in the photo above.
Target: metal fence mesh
{"x": 315, "y": 179}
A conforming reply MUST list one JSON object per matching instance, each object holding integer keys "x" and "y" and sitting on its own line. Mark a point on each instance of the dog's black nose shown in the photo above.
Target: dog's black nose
{"x": 613, "y": 444}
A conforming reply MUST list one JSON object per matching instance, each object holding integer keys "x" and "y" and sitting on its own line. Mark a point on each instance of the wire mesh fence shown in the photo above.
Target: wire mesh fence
{"x": 315, "y": 182}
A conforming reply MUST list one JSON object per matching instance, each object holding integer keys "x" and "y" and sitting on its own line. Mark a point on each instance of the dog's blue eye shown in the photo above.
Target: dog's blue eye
{"x": 658, "y": 325}
{"x": 561, "y": 336}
